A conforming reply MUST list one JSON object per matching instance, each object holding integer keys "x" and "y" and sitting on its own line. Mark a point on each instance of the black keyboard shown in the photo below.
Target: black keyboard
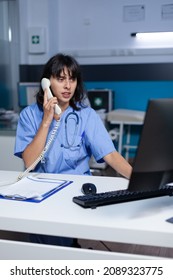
{"x": 112, "y": 197}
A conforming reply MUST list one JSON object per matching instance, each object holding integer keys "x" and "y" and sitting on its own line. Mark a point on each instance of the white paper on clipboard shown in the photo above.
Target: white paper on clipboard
{"x": 33, "y": 187}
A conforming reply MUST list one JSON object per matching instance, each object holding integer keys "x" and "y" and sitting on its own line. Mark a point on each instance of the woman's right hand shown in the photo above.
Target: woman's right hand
{"x": 48, "y": 108}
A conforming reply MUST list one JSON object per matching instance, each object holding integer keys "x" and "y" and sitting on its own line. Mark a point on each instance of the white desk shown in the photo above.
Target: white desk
{"x": 122, "y": 118}
{"x": 140, "y": 222}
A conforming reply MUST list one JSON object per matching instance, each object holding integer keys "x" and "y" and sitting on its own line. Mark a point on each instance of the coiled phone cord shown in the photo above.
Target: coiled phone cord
{"x": 40, "y": 157}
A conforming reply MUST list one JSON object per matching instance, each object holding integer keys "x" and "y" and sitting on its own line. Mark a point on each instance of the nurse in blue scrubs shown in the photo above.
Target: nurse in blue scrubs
{"x": 81, "y": 132}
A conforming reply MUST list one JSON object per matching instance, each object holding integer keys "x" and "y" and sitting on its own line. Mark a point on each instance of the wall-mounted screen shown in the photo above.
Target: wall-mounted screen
{"x": 27, "y": 93}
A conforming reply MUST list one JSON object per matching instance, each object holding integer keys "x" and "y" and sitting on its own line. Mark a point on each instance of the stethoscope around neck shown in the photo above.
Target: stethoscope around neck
{"x": 70, "y": 143}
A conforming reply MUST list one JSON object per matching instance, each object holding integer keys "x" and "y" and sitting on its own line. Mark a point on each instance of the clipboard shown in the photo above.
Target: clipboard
{"x": 34, "y": 188}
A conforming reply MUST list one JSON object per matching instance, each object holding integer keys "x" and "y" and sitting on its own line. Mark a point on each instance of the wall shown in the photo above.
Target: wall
{"x": 94, "y": 31}
{"x": 135, "y": 95}
{"x": 101, "y": 29}
{"x": 90, "y": 29}
{"x": 5, "y": 83}
{"x": 133, "y": 84}
{"x": 9, "y": 54}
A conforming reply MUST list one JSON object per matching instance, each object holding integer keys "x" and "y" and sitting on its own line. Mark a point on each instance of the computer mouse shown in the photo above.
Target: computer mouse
{"x": 88, "y": 188}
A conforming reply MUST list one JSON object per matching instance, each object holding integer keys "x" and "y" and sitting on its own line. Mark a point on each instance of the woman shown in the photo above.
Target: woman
{"x": 80, "y": 134}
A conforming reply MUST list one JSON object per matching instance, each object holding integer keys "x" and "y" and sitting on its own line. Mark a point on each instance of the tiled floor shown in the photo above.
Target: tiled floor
{"x": 127, "y": 248}
{"x": 105, "y": 246}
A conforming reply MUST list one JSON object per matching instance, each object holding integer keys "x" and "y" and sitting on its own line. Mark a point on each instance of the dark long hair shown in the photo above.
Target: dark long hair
{"x": 54, "y": 67}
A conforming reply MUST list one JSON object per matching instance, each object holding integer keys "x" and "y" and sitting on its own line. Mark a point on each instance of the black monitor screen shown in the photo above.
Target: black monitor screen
{"x": 153, "y": 165}
{"x": 101, "y": 99}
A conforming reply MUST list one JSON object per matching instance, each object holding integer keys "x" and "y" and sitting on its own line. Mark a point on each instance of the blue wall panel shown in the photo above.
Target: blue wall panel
{"x": 135, "y": 95}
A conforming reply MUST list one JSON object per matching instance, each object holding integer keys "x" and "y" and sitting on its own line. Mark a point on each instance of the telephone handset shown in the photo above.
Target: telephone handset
{"x": 45, "y": 84}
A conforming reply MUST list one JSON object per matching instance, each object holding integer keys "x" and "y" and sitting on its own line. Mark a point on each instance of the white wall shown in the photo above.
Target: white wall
{"x": 94, "y": 30}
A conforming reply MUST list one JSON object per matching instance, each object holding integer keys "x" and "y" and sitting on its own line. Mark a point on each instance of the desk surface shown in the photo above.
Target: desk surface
{"x": 139, "y": 222}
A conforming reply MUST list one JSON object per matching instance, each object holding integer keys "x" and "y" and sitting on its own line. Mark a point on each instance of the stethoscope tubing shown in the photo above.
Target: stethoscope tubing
{"x": 70, "y": 145}
{"x": 74, "y": 114}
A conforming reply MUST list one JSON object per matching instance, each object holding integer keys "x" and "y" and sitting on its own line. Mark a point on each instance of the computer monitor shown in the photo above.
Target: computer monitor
{"x": 153, "y": 164}
{"x": 27, "y": 93}
{"x": 101, "y": 99}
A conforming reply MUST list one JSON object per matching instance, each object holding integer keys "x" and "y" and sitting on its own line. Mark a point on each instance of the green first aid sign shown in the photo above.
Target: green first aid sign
{"x": 35, "y": 39}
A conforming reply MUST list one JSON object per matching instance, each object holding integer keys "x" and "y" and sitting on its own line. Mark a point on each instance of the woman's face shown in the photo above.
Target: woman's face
{"x": 63, "y": 87}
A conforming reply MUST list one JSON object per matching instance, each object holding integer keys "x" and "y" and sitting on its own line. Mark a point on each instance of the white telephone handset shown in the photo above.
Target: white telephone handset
{"x": 45, "y": 84}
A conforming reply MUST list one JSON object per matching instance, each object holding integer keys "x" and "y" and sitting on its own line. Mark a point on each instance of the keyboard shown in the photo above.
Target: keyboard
{"x": 112, "y": 197}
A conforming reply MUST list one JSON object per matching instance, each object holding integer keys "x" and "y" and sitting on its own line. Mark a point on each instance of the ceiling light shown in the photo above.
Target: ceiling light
{"x": 153, "y": 35}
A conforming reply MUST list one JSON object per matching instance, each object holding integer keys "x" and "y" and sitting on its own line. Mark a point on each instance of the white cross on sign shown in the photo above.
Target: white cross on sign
{"x": 35, "y": 39}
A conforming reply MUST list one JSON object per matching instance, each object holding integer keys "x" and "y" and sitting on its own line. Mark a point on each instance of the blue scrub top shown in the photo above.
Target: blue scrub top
{"x": 86, "y": 136}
